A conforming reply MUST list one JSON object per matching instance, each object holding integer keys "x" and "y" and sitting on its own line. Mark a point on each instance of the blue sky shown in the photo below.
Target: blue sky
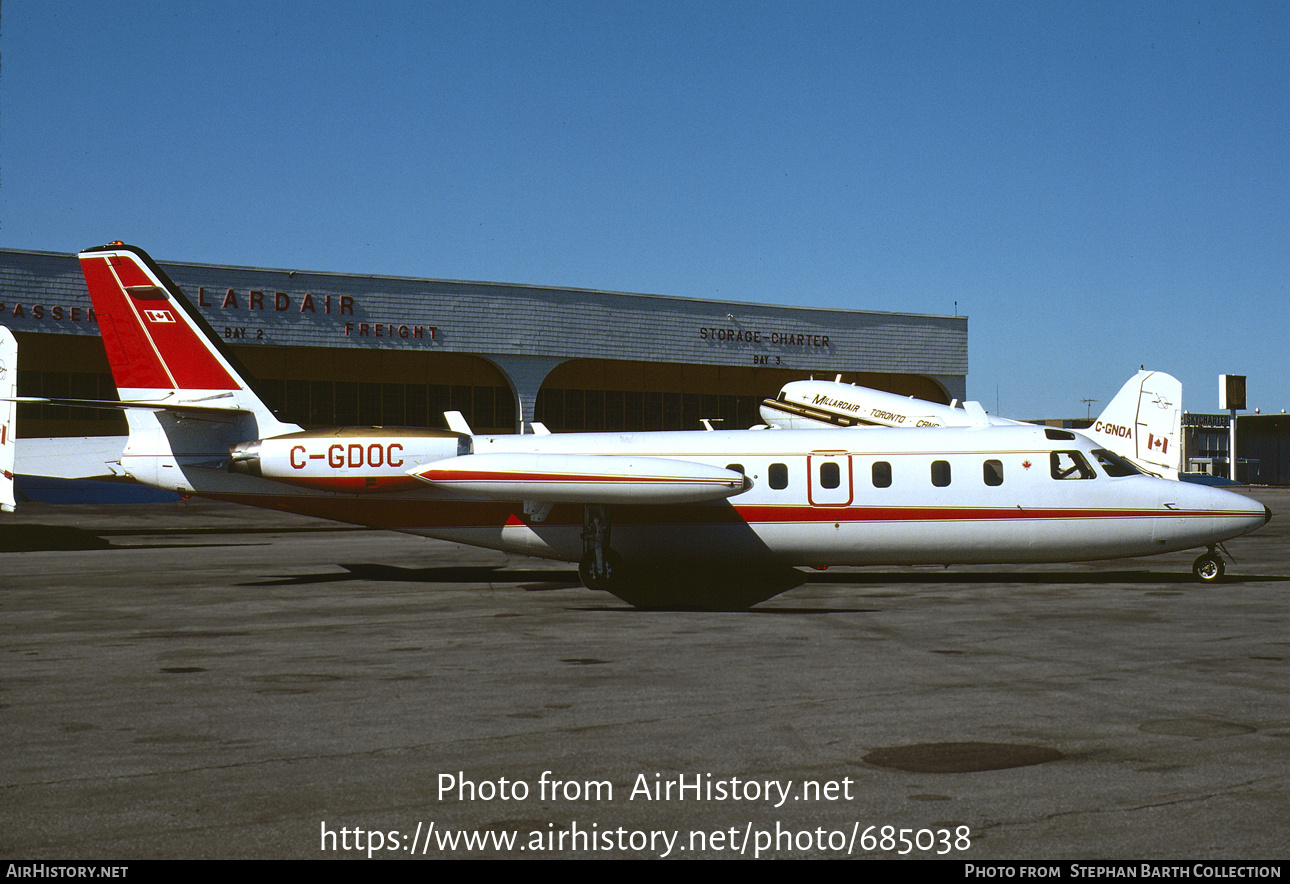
{"x": 1097, "y": 185}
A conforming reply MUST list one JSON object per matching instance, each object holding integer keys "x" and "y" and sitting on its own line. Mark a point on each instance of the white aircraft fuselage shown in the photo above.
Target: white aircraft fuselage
{"x": 842, "y": 499}
{"x": 624, "y": 504}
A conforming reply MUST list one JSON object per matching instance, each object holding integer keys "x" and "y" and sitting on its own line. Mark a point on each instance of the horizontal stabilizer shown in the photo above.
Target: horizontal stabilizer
{"x": 213, "y": 409}
{"x": 582, "y": 478}
{"x": 71, "y": 457}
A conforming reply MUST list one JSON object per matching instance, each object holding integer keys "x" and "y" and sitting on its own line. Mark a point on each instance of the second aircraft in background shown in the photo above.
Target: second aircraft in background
{"x": 1143, "y": 423}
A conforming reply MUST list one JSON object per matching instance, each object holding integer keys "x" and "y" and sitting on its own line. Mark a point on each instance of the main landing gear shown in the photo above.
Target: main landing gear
{"x": 599, "y": 564}
{"x": 1209, "y": 567}
{"x": 693, "y": 585}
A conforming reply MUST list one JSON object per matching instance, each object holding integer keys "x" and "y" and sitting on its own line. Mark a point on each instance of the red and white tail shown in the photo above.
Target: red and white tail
{"x": 162, "y": 352}
{"x": 185, "y": 397}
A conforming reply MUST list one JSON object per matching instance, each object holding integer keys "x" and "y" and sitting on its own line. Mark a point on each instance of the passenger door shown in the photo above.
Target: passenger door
{"x": 829, "y": 478}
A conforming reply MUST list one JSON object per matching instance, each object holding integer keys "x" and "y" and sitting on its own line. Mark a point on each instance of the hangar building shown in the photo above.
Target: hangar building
{"x": 335, "y": 349}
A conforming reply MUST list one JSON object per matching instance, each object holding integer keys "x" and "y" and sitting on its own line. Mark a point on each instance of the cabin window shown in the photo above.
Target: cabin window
{"x": 940, "y": 473}
{"x": 830, "y": 475}
{"x": 778, "y": 476}
{"x": 992, "y": 472}
{"x": 881, "y": 474}
{"x": 1114, "y": 465}
{"x": 735, "y": 467}
{"x": 1070, "y": 465}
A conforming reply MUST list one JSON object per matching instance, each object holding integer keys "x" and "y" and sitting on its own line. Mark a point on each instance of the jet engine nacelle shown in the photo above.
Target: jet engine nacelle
{"x": 349, "y": 459}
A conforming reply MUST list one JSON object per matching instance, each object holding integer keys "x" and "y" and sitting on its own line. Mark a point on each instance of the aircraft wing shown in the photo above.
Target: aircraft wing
{"x": 200, "y": 409}
{"x": 582, "y": 478}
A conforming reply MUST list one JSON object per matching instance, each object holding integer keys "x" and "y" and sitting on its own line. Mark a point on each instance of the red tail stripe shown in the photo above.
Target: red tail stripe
{"x": 130, "y": 273}
{"x": 134, "y": 362}
{"x": 149, "y": 347}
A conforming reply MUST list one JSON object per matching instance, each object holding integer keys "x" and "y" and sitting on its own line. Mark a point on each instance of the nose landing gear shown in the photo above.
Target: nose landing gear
{"x": 1208, "y": 568}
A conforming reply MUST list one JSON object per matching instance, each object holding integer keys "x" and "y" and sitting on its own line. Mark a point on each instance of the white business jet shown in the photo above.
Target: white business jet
{"x": 707, "y": 519}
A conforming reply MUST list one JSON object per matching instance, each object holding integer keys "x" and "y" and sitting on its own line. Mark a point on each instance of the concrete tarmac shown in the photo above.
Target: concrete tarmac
{"x": 202, "y": 680}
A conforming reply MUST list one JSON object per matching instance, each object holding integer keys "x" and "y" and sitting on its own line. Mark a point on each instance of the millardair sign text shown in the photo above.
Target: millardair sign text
{"x": 279, "y": 302}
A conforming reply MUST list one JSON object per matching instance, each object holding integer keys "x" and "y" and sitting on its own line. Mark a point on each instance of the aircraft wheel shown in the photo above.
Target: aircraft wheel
{"x": 1208, "y": 568}
{"x": 613, "y": 568}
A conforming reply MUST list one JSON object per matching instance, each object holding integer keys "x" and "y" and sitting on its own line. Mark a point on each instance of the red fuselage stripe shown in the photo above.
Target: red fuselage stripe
{"x": 387, "y": 512}
{"x": 466, "y": 476}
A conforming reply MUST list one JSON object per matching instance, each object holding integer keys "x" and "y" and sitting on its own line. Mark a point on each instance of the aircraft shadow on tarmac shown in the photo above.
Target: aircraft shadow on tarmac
{"x": 869, "y": 578}
{"x": 49, "y": 538}
{"x": 546, "y": 581}
{"x": 38, "y": 538}
{"x": 538, "y": 581}
{"x": 533, "y": 580}
{"x": 527, "y": 580}
{"x": 68, "y": 538}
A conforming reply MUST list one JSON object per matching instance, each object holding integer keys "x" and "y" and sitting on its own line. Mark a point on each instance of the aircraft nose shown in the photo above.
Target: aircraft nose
{"x": 1267, "y": 514}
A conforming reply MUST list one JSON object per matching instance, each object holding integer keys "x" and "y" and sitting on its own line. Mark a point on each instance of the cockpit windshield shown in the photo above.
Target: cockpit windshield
{"x": 1113, "y": 464}
{"x": 1070, "y": 465}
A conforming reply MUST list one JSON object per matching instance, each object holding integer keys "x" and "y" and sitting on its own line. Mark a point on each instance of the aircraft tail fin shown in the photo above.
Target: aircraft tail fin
{"x": 8, "y": 410}
{"x": 186, "y": 397}
{"x": 1144, "y": 423}
{"x": 161, "y": 350}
